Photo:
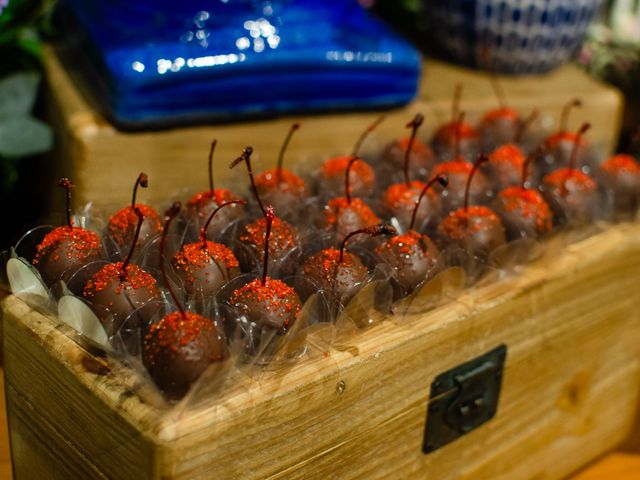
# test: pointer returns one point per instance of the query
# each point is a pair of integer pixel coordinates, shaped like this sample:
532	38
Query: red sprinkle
404	244
452	167
174	332
559	137
327	261
460	223
192	257
135	279
337	166
125	221
559	178
508	153
335	206
499	114
275	295
82	243
283	235
448	132
400	195
220	195
529	203
288	181
621	162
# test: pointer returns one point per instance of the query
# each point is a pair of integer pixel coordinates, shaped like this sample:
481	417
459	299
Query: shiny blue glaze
151	63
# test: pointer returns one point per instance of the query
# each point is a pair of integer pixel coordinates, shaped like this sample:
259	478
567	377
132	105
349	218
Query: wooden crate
105	162
571	385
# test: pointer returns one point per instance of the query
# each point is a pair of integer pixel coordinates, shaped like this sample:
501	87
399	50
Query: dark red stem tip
203	230
67	184
373	231
576	145
210	163
269	217
442	180
125	264
142	181
482	158
413	125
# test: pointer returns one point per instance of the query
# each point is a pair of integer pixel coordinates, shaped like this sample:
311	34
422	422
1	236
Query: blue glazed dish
510	36
161	63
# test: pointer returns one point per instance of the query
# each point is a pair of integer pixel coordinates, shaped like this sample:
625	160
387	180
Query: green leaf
18	93
21	136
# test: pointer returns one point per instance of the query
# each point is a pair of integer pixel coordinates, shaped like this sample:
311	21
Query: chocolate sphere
523	212
285	191
362	179
621	176
63	251
284	241
339	281
504	167
205	267
444	141
341	217
122	225
201	206
571	194
413	258
421	160
122	294
400	201
477	230
177	349
458	171
498	127
559	149
273	306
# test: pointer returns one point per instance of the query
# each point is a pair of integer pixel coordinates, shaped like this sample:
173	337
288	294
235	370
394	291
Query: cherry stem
537	153
482	158
142	181
125	264
564	118
576	145
246	158
365	134
283	149
347	178
456	137
414	125
211	150
269	216
169	215
523	125
372	231
67	184
203	230
455	106
442	180
497	90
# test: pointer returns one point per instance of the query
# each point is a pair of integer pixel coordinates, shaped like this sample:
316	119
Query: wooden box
570	322
104	162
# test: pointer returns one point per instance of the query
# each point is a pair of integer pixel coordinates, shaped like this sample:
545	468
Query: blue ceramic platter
159	63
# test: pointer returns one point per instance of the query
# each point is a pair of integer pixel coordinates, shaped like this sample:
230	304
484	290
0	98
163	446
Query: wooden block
570	321
104	162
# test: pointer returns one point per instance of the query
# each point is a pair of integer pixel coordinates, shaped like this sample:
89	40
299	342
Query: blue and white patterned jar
510	36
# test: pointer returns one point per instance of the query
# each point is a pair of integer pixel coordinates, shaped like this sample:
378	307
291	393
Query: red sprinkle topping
336	167
135	279
125	221
327	261
400	195
403	244
454	166
174	332
275	295
447	133
220	195
288	181
508	153
335	206
559	137
559	178
193	257
621	162
460	223
499	114
283	235
82	243
529	203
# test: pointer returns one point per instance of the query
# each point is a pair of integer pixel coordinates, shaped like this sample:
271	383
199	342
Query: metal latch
463	398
